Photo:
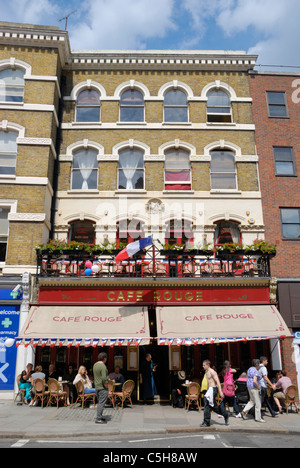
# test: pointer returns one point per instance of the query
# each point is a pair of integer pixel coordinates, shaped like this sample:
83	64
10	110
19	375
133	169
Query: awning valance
84	325
210	324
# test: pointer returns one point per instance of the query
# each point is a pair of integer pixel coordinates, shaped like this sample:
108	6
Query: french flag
133	248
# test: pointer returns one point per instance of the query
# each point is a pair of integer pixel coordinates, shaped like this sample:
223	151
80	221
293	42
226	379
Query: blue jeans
88	391
235	406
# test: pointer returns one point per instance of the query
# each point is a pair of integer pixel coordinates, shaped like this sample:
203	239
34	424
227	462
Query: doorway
160	356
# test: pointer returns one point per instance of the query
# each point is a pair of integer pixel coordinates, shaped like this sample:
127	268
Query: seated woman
83	376
25	382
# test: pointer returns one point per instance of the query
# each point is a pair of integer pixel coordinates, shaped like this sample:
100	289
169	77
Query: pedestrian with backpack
229	388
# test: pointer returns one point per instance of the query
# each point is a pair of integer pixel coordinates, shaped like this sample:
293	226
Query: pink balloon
88	264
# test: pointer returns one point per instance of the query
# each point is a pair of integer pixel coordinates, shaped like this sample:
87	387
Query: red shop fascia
154	293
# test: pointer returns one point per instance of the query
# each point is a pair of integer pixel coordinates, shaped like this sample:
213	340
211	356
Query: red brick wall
287	354
277	191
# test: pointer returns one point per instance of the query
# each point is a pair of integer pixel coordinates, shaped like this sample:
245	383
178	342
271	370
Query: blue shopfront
10	300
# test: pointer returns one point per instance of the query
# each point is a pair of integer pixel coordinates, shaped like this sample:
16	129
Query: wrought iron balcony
154	263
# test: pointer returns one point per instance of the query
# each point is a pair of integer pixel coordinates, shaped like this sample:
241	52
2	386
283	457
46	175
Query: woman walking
253	385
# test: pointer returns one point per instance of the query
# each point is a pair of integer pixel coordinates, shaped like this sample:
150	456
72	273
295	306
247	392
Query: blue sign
297	336
10	294
9	328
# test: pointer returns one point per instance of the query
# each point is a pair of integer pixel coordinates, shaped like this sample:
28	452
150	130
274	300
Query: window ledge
75	124
225	192
177	123
7	176
131	123
218	124
133	191
188	192
87	191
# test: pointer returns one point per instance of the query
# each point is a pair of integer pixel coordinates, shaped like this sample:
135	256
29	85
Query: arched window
177	170
85	169
223	170
132	106
12	85
175	106
218	106
131	169
8	152
88	106
129	231
179	231
82	231
227	232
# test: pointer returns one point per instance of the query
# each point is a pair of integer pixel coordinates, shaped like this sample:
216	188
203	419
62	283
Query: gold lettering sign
158	296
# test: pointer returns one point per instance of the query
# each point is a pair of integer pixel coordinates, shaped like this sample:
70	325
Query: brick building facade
277	119
114	146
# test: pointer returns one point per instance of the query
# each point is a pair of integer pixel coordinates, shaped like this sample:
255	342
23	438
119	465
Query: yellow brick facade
54	72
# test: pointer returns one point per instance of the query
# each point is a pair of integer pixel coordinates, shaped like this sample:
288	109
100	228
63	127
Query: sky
268	28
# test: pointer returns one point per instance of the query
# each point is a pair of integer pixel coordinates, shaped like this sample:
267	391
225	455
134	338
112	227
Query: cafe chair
40	392
126	392
83	397
291	397
56	394
193	396
111	392
21	391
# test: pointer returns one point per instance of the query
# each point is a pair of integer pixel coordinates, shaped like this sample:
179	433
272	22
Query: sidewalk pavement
36	422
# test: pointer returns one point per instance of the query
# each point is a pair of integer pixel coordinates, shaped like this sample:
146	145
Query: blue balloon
88	271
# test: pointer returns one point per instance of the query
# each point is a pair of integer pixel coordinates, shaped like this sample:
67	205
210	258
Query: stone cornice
51	36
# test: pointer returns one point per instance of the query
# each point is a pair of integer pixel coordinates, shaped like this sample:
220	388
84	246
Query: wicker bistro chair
83	397
193	396
126	392
40	392
111	392
291	397
21	391
56	394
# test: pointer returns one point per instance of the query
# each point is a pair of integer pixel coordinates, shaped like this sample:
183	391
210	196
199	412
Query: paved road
165	442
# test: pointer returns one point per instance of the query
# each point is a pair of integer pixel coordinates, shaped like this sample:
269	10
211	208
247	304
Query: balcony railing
165	264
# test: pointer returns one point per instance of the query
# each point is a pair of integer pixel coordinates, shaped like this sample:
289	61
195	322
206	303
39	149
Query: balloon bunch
90	268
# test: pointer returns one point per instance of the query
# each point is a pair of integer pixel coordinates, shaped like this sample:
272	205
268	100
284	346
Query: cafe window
131	169
218	106
132	106
179	231
12	85
177	170
88	106
223	170
85	169
227	232
129	231
82	231
175	106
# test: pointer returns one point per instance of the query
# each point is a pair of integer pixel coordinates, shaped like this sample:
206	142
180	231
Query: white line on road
20	443
211	437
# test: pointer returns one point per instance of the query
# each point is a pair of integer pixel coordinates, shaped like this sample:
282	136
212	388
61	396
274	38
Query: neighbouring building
110	147
276	114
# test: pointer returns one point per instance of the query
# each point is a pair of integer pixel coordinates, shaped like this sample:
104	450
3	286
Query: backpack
228	389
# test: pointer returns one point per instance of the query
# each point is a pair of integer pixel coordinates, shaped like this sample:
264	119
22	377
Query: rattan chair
126	392
40	392
291	397
21	391
111	392
83	397
56	394
193	396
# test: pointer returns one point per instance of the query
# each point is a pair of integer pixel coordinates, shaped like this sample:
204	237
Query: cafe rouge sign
207	295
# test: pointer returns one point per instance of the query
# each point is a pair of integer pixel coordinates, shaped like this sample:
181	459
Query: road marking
64	441
210	437
20	443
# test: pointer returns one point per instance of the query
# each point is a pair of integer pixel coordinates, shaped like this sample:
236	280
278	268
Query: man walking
210	404
101	385
263	372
